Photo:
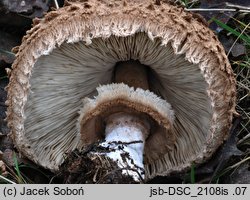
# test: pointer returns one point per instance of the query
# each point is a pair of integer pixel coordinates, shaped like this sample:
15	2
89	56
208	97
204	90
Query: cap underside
61	80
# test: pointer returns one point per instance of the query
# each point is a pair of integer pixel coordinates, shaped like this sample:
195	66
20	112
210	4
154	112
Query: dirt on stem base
92	166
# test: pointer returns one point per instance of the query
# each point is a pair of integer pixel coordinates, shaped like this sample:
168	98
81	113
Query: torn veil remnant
74	50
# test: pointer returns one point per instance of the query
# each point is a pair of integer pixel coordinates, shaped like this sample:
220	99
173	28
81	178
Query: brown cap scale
73	50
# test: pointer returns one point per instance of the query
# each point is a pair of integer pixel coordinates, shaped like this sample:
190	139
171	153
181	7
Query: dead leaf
237	171
228	41
7	42
223	16
221	158
30	8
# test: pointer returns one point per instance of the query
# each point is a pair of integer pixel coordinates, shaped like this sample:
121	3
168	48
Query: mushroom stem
132	73
125	134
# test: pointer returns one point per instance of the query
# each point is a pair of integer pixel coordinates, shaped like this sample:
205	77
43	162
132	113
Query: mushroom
92	67
124	115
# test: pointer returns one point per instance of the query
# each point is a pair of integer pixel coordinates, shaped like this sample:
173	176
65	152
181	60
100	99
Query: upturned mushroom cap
73	50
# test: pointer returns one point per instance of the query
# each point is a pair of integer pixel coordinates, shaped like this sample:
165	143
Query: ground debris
91	166
240	175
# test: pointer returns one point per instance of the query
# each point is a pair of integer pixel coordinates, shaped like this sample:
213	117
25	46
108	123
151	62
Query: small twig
56	4
7	52
125	143
230	5
9	181
245	96
216	9
244	139
52	178
223	158
244	127
239	163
